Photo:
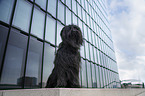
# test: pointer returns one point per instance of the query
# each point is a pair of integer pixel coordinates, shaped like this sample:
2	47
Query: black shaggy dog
67	60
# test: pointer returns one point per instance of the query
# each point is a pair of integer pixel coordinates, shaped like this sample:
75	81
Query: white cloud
127	18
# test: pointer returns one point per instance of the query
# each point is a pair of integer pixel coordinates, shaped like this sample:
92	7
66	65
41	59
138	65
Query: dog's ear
72	35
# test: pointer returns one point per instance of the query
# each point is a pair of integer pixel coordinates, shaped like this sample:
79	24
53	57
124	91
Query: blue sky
127	21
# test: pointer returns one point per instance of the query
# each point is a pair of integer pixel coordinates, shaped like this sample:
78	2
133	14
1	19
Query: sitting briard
67	60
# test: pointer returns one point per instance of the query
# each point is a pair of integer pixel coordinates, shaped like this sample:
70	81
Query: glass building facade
30	35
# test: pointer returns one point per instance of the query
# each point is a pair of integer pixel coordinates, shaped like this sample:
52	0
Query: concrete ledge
73	92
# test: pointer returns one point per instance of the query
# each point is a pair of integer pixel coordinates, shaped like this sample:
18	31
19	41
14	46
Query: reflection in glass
50	29
94	76
82	51
80	78
94	39
105	77
91	53
101	77
41	3
89	74
85	32
84	15
34	62
79	11
68	3
74	19
89	35
52	7
68	16
82	3
48	62
3	37
74	6
6	10
59	28
87	50
88	19
95	55
38	23
22	15
80	25
14	60
60	11
98	76
83	71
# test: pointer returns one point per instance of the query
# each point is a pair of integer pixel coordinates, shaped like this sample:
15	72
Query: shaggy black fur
67	59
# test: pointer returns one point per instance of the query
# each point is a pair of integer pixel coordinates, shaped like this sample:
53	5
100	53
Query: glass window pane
48	65
75	19
38	23
82	51
101	77
80	24
6	7
98	55
52	7
41	3
89	74
84	16
91	53
86	5
68	16
88	20
95	57
94	76
34	62
22	15
87	50
98	76
50	29
94	39
59	28
3	37
80	79
105	78
90	35
68	3
79	11
85	32
83	69
60	11
82	3
74	6
14	60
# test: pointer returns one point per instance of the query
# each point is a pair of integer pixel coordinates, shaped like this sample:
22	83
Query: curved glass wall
30	35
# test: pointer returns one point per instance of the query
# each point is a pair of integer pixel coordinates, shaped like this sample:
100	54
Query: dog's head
72	35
